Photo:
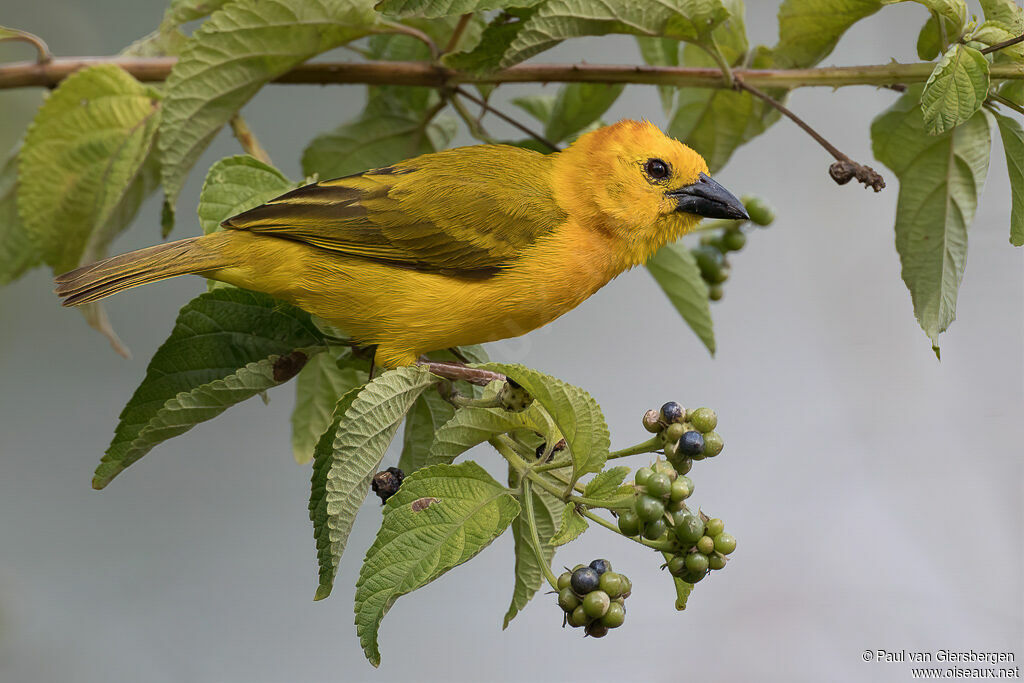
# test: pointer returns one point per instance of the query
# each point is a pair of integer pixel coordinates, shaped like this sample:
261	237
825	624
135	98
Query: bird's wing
469	212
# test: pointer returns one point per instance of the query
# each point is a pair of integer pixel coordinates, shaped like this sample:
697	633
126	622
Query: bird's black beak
709	199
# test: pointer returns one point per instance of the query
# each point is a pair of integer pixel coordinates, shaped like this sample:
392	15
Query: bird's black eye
656	169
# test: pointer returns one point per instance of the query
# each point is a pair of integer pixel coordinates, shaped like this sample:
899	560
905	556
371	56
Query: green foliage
472	426
347	456
606	485
215	336
17	252
675	270
810	29
494	43
318	388
570	526
577	106
235	184
425	418
956	89
529	575
1013	145
231	56
941	178
441	517
441	8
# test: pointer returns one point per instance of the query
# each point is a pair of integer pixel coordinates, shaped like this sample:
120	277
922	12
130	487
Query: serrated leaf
441	517
941	178
606	484
443	8
17	252
1006	11
231	56
570	526
579	105
498	35
1013	145
472	426
83	151
428	414
214	335
318	388
356	446
683	589
675	270
529	576
371	142
810	29
557	20
183	11
955	90
537	106
661	52
575	412
235	184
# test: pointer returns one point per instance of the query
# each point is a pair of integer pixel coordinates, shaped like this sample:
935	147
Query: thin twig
1005	43
845	168
43	54
455	371
457	33
476	129
1007	102
248	140
395	27
507	119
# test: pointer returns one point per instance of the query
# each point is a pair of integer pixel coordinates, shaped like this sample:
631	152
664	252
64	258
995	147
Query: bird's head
636	182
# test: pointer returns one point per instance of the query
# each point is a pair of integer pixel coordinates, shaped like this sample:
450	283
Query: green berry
682	464
675	506
691	530
716	561
712	444
579	566
673	432
595	604
725	543
721	275
659	485
642	475
733	240
596	629
665	467
672	412
703	419
578	617
612	584
563	580
655	530
601	566
615	616
716	292
706	545
759	211
652	421
709	260
696	563
567	600
584	580
677	565
627	586
682	488
648	508
629	524
693	577
715	526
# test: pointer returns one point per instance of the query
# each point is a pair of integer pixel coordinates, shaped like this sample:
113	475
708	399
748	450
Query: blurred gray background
875	492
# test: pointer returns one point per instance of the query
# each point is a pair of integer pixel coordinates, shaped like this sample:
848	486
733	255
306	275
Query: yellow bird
458	247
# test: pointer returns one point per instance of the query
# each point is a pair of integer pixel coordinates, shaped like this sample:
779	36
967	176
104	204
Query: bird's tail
101	279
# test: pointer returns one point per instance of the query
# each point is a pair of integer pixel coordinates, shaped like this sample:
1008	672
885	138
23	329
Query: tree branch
455	371
1005	43
154	69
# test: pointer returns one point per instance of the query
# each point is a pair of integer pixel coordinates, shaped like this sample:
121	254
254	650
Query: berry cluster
703	545
711	255
593	596
687	435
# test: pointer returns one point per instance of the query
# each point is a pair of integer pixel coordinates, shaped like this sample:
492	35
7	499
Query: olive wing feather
470	211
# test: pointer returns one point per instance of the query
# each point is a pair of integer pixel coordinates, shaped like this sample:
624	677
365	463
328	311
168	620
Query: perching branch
844	169
155	69
455	371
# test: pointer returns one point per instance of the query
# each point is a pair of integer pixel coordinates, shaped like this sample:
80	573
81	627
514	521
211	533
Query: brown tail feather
109	276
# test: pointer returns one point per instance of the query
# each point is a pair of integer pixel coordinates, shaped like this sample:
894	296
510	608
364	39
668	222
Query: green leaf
953	11
1013	145
956	89
236	184
472	426
661	52
83	151
994	32
675	270
557	20
529	576
347	456
1006	11
495	41
17	252
215	334
683	589
371	142
577	106
442	8
318	388
575	412
571	525
428	414
441	517
941	178
929	40
606	484
537	106
183	11
231	56
810	29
